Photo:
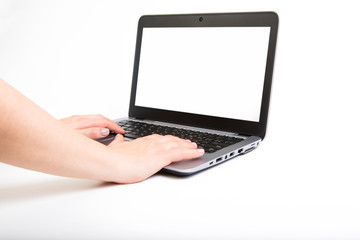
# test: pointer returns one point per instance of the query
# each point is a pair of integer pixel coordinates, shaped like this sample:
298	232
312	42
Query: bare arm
32	139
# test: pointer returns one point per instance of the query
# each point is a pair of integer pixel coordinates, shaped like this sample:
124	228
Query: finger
186	154
114	127
152	138
89	121
169	142
179	142
95	132
168	138
118	139
182	144
105	122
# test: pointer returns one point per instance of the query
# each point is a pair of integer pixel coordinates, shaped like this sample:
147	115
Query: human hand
92	126
145	156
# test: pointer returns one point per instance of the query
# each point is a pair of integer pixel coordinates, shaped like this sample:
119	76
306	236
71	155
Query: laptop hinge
242	135
137	118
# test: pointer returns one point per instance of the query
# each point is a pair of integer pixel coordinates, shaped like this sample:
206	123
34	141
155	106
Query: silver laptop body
208	73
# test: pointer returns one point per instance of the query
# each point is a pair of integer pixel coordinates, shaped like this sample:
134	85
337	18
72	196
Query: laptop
206	78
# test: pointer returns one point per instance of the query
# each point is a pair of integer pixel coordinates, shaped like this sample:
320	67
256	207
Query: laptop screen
204	70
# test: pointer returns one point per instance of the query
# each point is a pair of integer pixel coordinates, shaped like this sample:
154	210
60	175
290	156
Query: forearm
32	139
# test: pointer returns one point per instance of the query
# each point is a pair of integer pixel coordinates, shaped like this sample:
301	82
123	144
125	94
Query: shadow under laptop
169	174
32	191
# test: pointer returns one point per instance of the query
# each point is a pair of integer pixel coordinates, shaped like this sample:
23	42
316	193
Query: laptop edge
252	132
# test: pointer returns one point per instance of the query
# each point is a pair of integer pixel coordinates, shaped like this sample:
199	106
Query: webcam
201	19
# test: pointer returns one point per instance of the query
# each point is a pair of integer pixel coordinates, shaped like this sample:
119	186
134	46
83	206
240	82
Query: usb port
219	159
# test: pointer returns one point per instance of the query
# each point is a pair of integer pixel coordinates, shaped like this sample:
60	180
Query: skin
31	138
92	126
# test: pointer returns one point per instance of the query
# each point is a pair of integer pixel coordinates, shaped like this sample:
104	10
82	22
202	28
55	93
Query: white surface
302	183
211	68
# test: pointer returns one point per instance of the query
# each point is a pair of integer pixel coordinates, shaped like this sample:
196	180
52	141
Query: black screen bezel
253	19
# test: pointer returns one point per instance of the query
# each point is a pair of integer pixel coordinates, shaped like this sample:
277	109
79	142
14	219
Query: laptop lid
189	68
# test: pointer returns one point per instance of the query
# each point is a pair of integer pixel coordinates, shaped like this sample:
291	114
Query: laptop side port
240	151
219	159
249	150
232	154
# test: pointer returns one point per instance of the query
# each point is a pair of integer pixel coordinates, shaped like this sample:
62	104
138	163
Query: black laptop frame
241	127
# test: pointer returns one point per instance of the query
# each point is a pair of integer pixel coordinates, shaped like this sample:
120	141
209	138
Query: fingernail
201	150
105	131
193	143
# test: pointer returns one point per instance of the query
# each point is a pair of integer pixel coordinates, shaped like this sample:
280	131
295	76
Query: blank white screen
204	70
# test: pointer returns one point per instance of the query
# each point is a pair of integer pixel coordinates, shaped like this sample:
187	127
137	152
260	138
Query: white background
76	57
204	69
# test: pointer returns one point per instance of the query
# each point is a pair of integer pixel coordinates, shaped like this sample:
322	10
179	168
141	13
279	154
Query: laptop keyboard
208	141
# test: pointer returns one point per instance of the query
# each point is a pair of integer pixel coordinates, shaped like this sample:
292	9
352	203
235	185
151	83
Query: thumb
95	132
118	139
